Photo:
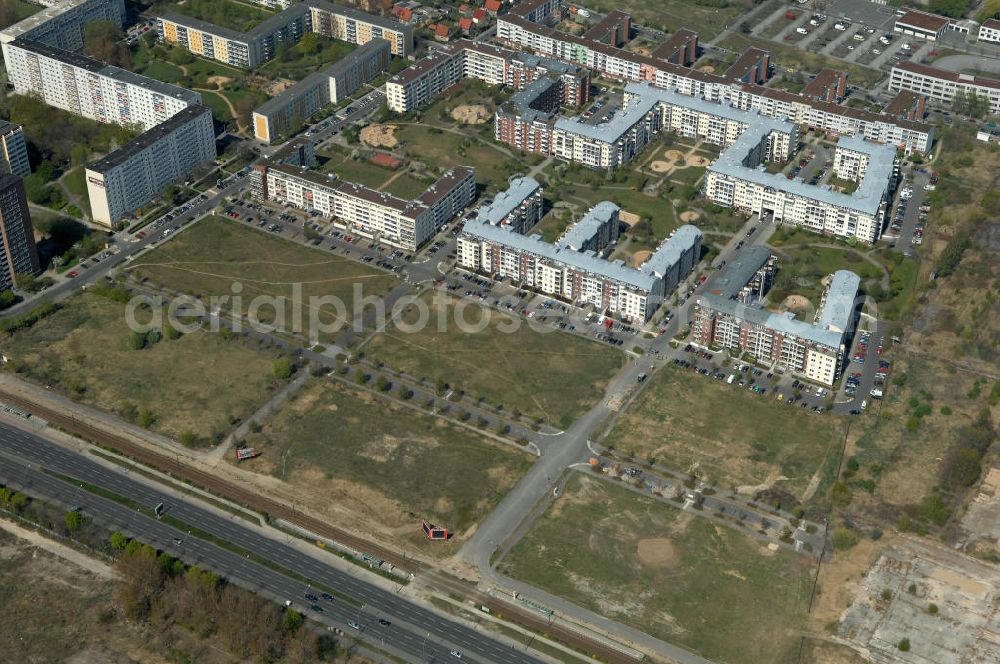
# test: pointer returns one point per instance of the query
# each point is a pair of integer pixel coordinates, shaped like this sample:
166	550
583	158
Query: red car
72	274
141	234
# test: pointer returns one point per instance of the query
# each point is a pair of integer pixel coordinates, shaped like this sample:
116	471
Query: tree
904	645
145	418
964	467
283	368
8	13
118	541
292	620
73	520
7	298
310	44
104	41
79	154
137	340
843	539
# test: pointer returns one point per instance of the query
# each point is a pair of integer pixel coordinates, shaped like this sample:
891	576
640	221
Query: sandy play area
640	257
708	69
380	136
471	114
689	216
795	303
696	160
218	80
629	218
660	166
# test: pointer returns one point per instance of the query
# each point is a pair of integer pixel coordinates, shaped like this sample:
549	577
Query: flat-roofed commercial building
287	111
89	88
18	254
813	350
13	150
943	85
572	268
360	210
921	24
132	175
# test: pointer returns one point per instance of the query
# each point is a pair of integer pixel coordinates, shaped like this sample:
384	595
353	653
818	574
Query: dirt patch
219	80
657	552
690	216
696	160
380	136
660	166
640	257
471	114
708	69
795	303
673	155
272	88
628	218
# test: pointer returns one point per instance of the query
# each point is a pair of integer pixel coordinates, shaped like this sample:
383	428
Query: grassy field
200	382
385	462
300	60
211	256
399	182
802	268
707	19
227	13
669	573
443	150
220	109
553	376
731	436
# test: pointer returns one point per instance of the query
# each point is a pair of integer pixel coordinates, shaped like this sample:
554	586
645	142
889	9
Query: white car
456	654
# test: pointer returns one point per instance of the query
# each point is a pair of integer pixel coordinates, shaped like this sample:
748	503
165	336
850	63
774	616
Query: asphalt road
420	633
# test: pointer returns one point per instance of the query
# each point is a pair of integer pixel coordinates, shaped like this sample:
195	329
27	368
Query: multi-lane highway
416	631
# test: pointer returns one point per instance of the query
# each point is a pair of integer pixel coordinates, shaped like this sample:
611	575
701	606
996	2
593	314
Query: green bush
843	538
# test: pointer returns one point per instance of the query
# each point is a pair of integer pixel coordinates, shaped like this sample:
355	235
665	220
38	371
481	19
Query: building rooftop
674	43
505	202
838	304
866	199
358	15
149	138
30	23
902	103
730	280
577	235
443	185
204	26
749	60
930	22
669	252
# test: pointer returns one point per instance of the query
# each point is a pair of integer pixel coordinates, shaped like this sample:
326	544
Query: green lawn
548	375
669	573
220	109
707	18
385	462
210	257
161	71
76	182
443	150
802	269
230	14
304	57
200	382
732	436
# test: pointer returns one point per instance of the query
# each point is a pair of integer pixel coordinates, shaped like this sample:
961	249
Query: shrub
843	538
904	645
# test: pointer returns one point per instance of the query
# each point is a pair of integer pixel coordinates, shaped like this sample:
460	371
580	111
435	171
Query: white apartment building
129	177
517	27
83	86
373	214
572	268
943	85
814	350
13	150
737	180
61	24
